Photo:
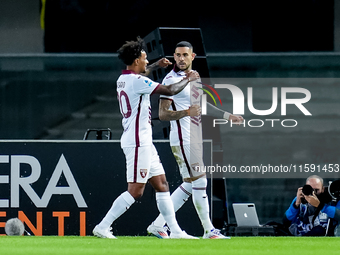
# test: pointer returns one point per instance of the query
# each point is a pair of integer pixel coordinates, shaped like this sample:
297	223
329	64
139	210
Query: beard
183	68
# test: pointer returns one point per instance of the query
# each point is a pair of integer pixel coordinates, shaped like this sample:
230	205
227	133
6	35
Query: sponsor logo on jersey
148	82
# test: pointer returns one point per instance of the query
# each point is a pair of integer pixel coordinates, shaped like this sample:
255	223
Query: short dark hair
131	50
184	44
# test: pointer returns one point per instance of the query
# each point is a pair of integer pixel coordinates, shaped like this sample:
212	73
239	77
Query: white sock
166	208
201	202
178	197
119	206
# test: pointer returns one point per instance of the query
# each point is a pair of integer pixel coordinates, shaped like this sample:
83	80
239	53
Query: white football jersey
187	130
133	92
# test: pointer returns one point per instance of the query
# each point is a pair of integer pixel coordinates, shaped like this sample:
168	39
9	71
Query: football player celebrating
142	160
184	113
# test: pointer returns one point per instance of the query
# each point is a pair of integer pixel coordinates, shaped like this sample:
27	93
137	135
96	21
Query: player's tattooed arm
166	114
162	63
175	88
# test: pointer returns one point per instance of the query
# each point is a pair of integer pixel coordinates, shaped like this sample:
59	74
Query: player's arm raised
162	63
175	88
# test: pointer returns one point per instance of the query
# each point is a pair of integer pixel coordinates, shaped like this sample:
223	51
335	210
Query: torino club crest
143	172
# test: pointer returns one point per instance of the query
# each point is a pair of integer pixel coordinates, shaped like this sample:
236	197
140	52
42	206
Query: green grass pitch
74	245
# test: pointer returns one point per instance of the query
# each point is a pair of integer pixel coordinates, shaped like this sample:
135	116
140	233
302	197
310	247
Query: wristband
188	112
226	115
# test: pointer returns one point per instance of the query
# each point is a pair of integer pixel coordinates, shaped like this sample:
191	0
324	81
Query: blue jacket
302	218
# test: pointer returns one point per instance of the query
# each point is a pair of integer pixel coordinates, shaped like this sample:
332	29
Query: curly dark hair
131	50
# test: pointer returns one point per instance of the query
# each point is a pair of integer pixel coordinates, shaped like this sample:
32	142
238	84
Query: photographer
311	209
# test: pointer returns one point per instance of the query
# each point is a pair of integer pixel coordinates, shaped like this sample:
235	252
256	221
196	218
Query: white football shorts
142	163
189	159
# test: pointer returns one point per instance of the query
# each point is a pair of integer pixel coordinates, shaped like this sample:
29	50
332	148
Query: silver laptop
245	214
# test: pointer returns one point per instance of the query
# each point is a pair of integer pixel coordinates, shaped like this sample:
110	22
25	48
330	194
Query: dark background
229	26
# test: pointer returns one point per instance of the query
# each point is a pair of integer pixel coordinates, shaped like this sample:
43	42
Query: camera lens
334	189
307	190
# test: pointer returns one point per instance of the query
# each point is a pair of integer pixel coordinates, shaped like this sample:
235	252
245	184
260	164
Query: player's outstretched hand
236	119
192	75
164	62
